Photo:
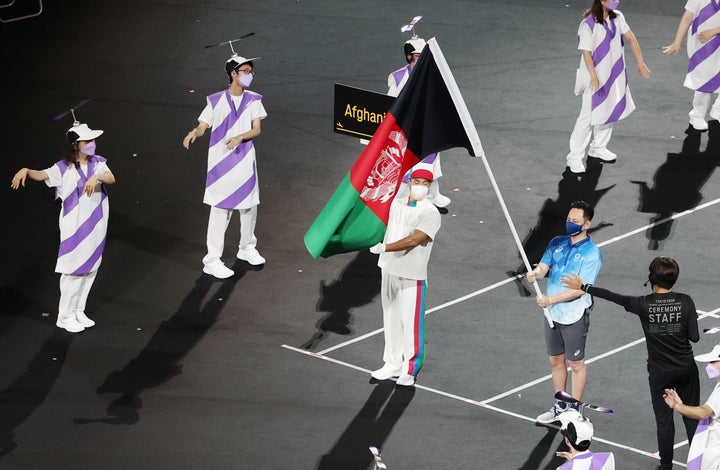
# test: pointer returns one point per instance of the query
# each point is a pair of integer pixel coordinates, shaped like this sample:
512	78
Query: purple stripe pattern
87	266
712	86
704	52
85	229
399	74
696	462
705	14
220	132
232	201
228	163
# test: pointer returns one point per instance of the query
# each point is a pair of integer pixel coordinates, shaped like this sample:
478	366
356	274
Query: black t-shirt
669	322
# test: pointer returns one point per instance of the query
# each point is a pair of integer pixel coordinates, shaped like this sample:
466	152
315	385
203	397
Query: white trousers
580	137
403	302
217	226
74	292
701	106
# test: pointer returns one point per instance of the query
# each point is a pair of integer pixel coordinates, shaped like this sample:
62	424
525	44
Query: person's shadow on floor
370	427
358	285
541	450
161	359
678	182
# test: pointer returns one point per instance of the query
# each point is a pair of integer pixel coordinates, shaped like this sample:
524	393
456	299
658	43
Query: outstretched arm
575	282
643	69
35	175
682	30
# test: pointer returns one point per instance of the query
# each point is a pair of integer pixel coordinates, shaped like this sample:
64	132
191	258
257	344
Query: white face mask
418	191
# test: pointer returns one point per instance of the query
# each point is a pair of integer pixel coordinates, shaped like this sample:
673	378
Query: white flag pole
479	152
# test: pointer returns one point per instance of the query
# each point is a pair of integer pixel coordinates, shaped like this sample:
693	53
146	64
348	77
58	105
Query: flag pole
474	138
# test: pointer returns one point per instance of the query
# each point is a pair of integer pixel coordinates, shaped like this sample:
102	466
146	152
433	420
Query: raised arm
35	175
695	412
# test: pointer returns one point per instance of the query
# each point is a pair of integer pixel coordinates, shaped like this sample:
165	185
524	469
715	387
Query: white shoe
83	319
406	380
386	372
218	269
701	124
71	325
250	255
440	201
577	167
605	155
552	415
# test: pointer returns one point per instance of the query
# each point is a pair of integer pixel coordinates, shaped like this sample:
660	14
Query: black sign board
358	112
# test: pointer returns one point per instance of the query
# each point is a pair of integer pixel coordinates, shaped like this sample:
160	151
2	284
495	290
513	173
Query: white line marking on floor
512	279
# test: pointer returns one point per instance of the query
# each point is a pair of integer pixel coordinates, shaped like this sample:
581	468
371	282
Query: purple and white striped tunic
232	181
590	461
704	453
704	65
612	101
83	219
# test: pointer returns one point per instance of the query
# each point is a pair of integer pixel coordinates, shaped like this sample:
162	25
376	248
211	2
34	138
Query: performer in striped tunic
578	433
701	21
602	80
79	181
704	453
232	182
396	81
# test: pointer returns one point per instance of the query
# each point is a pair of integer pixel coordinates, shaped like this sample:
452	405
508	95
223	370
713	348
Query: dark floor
270	369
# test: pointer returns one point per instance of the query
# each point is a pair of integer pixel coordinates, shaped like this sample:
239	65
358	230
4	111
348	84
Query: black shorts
568	339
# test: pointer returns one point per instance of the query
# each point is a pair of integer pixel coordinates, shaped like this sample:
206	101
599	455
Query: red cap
422	173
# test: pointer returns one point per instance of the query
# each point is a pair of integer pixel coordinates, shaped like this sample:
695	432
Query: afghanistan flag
427	117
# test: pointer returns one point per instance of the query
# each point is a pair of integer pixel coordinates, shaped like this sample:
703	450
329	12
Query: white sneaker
83	319
552	415
701	124
604	155
577	167
386	372
440	201
218	269
406	380
71	325
250	255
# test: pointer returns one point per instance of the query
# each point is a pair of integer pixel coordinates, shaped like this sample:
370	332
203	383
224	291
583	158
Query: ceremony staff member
404	255
396	81
703	47
704	450
232	182
578	433
669	323
602	80
79	181
569	308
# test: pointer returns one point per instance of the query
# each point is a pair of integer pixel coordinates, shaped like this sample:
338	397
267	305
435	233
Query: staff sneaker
71	325
552	415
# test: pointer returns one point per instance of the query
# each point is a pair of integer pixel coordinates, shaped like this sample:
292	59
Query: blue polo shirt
563	257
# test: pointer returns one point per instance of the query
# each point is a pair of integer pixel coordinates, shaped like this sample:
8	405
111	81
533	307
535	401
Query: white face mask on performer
418	191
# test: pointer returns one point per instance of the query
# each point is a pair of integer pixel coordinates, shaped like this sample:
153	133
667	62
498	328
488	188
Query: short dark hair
587	208
231	66
571	434
664	271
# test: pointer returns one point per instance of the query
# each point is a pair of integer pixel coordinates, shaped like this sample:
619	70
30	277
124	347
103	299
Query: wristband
585	287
